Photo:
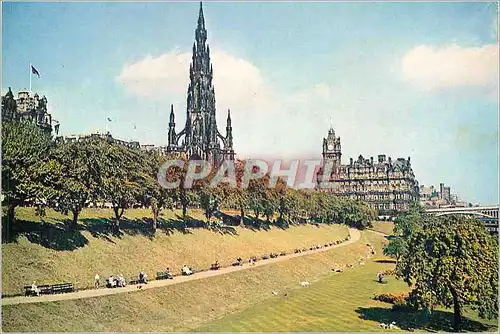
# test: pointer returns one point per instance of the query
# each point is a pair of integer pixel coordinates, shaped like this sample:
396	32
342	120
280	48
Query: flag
109	119
35	71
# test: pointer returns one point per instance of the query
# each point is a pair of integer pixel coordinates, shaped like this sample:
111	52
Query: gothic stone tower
200	138
332	150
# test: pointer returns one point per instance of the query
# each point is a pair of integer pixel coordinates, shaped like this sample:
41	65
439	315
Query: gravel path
354	233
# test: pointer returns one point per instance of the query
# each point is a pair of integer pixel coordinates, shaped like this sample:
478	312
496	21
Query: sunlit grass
25	261
183	306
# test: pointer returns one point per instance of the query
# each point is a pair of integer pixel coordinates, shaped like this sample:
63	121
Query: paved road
354	233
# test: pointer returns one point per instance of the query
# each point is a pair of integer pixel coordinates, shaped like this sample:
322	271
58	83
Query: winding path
354	234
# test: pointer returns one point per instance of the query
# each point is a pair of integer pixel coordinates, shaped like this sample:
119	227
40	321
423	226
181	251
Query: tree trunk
155	218
242	215
8	222
118	214
184	209
74	222
457	316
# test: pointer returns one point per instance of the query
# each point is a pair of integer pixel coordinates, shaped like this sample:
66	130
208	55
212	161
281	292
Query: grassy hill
242	301
186	305
49	253
384	227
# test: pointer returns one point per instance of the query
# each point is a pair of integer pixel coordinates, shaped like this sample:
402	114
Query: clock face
330	147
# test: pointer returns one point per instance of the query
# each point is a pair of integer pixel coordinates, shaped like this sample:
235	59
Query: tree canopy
451	261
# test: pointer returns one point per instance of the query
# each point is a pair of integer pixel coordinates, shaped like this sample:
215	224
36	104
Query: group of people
111	281
115	281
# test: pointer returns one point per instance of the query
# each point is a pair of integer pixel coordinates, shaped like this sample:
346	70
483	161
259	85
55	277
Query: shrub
396	299
389	272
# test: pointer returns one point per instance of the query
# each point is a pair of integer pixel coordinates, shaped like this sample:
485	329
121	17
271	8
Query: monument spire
201	19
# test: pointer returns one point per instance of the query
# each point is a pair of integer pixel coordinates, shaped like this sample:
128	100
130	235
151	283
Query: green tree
122	176
395	248
27	172
153	195
452	261
72	187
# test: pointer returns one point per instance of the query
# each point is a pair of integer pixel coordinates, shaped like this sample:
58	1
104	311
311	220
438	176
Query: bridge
487	214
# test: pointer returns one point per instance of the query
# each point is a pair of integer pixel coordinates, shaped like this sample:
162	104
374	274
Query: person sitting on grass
34	289
186	270
380	278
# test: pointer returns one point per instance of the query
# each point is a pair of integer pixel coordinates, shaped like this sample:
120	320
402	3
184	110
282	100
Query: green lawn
49	253
339	303
384	227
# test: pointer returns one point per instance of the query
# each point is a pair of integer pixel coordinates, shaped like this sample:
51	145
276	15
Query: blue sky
403	79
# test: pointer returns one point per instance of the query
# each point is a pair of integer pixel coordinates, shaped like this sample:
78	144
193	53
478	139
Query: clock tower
332	151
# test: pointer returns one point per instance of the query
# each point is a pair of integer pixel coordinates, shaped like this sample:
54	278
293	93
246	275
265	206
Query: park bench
265	257
44	289
326	245
283	253
62	288
297	251
273	255
163	275
214	266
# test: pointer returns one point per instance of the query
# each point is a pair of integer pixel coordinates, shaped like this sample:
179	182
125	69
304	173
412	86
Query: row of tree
449	261
68	175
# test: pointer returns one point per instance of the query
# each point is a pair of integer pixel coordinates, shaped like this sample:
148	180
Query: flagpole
30	79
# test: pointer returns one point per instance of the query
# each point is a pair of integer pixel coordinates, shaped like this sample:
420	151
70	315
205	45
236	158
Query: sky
404	79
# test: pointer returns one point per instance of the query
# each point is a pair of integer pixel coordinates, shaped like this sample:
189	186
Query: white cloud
452	66
238	82
155	77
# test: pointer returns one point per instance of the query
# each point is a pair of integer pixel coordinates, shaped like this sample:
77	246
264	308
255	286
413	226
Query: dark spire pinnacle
172	113
9	93
201	19
228	118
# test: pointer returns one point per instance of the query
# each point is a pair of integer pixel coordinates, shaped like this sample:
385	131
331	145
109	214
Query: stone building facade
388	186
200	138
28	108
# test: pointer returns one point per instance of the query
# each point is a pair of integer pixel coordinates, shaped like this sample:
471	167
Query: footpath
354	237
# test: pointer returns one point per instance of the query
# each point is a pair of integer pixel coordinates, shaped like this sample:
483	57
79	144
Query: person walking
96	281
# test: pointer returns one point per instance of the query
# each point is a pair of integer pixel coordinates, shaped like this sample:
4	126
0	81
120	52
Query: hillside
186	305
48	253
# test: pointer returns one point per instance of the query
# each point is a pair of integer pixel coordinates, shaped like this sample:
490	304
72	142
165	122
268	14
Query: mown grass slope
49	253
341	303
183	306
384	227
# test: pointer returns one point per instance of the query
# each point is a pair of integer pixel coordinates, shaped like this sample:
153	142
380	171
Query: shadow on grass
55	236
413	320
386	261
